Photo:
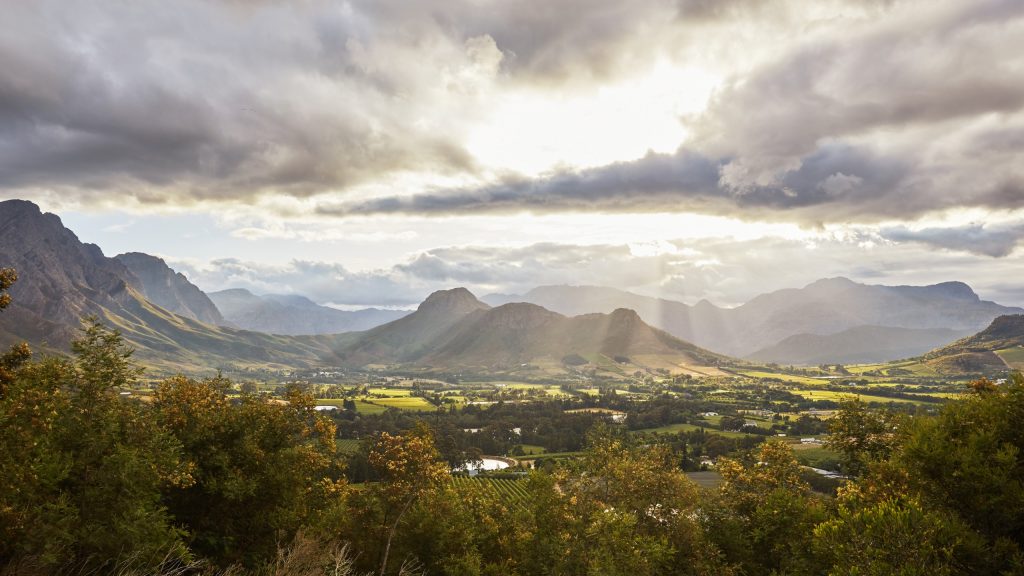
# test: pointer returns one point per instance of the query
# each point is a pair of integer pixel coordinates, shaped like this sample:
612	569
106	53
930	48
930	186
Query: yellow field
838	396
784	377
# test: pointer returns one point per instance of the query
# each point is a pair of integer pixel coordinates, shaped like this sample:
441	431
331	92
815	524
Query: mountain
454	330
859	345
61	280
995	349
292	314
822	308
409	337
169	289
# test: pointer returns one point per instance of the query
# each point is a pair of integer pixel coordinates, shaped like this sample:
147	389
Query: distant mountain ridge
822	308
858	345
291	314
452	329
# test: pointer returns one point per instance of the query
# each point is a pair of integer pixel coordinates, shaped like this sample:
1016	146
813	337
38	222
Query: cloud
724	271
997	241
852	110
683	181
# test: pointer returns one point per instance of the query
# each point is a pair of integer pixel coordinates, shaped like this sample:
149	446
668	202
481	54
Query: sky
368	152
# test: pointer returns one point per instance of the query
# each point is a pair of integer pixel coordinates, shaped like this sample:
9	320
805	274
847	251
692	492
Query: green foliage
861	435
970	460
8	276
83	468
896	536
765	513
257	470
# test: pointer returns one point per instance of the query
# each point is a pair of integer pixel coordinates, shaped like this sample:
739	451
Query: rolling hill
995	349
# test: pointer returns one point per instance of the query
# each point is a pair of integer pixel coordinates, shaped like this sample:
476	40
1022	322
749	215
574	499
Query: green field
348	445
508	490
675	428
405	403
839	396
1013	356
389	392
780	376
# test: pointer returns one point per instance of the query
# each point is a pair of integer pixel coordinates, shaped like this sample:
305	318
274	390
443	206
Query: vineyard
510	490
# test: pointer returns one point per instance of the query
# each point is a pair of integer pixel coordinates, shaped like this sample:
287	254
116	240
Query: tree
970	461
8	276
258	470
861	435
86	467
19	354
764	514
409	466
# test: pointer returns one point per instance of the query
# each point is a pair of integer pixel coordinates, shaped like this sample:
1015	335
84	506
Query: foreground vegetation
199	478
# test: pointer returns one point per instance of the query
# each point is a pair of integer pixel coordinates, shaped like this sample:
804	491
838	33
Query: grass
532	449
550	455
405	403
706	478
509	490
1012	356
838	396
364	407
348	445
676	428
390	392
780	376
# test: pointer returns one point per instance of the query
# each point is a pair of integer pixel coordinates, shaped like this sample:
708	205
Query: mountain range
839	319
451	329
293	314
61	280
550	330
171	323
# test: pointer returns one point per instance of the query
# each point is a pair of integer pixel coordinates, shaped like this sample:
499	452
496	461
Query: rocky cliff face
169	289
60	279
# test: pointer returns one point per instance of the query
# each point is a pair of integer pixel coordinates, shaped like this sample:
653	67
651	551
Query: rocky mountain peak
454	301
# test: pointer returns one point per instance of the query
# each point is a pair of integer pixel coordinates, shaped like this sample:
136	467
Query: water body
483	464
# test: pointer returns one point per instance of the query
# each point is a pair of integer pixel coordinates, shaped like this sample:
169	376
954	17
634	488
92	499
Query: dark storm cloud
682	181
878	109
199	99
997	241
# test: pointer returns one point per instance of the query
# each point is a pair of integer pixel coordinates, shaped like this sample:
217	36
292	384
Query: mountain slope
169	289
408	338
859	345
452	330
61	280
995	349
824	307
294	315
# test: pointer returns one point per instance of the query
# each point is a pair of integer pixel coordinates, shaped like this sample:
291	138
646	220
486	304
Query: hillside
859	345
453	330
825	307
410	337
995	349
61	280
169	289
294	315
